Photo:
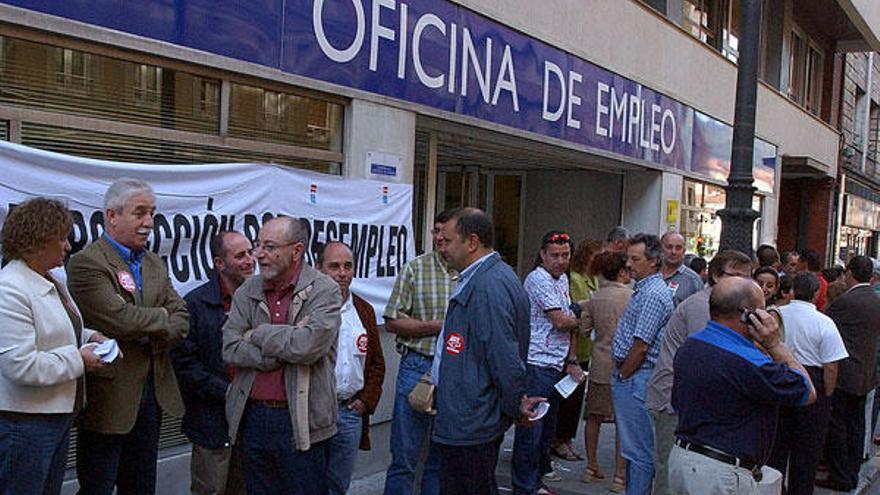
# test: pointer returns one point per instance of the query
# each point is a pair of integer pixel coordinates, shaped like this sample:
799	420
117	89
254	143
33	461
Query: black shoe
833	485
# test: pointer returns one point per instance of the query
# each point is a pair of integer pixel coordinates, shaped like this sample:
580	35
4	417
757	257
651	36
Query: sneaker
552	477
543	490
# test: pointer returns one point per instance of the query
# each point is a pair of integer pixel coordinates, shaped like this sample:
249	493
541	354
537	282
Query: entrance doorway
498	193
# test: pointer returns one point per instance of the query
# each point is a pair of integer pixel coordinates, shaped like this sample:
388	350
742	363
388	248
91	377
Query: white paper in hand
541	409
108	351
566	386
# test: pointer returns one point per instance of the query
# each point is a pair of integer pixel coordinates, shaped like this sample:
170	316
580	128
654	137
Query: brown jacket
601	313
374	367
141	326
305	348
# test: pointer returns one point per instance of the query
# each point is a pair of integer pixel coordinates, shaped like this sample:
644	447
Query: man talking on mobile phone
727	393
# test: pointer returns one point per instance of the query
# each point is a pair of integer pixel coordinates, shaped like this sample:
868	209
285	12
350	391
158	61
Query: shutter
4	130
170	435
105	146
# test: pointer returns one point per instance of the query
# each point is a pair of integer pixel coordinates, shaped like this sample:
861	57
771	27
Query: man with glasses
281	338
415	313
551	354
688	318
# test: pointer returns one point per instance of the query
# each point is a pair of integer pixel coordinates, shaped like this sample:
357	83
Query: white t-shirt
351	352
548	346
812	337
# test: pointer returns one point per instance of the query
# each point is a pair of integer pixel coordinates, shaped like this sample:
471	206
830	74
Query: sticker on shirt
454	344
361	343
673	287
126	281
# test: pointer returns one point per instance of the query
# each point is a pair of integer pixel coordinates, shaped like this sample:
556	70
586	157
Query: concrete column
370	127
642	197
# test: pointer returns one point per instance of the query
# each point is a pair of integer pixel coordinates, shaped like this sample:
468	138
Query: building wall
653	58
584	203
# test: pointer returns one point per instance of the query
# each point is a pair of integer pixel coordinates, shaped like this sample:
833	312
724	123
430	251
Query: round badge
362	342
454	344
126	281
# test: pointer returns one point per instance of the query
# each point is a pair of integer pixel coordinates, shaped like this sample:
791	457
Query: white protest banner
196	201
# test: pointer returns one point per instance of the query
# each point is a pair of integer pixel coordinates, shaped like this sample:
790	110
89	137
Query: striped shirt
644	318
421	291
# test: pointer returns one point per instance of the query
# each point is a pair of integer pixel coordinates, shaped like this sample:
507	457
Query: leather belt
403	350
271	404
718	455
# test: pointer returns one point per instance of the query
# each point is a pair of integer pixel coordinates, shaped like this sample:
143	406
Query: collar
294	278
129	256
541	267
718	327
798	302
348	304
641	283
468	272
442	263
860	284
253	287
676	272
610	283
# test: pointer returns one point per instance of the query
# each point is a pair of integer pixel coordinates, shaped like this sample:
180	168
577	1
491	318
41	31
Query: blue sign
379	169
441	55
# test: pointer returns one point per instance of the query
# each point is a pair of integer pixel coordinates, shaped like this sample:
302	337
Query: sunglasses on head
559	238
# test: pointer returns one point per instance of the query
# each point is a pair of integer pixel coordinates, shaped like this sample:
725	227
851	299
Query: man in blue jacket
203	378
479	363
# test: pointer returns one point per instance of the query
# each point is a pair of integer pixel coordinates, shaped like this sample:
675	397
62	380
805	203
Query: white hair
122	190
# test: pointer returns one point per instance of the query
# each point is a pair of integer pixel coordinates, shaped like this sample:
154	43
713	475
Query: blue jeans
342	451
409	434
127	461
531	445
636	429
270	462
33	448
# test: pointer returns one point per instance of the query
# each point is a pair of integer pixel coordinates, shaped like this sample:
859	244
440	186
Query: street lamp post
738	217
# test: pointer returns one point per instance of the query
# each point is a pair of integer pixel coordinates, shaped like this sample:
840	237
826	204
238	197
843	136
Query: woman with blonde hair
42	357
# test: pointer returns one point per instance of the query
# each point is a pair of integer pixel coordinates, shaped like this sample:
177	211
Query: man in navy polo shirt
727	394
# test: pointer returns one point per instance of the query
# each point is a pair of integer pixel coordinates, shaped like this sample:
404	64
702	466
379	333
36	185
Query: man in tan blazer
123	290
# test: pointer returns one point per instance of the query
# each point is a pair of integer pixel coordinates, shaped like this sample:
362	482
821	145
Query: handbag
421	398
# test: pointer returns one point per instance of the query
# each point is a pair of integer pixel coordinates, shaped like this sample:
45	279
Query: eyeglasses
270	248
559	238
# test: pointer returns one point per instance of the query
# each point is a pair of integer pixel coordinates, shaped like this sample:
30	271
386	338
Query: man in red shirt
281	338
809	261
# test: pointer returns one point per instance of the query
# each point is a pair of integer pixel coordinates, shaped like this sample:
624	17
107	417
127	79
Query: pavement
372	483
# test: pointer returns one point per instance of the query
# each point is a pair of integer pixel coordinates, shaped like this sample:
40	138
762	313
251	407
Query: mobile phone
745	317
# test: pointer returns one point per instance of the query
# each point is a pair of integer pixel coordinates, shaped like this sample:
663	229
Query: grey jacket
307	352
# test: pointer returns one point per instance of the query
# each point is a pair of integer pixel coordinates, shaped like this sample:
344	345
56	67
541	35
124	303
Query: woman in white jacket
42	358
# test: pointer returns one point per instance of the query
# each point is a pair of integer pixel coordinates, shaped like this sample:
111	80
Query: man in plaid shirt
635	349
415	313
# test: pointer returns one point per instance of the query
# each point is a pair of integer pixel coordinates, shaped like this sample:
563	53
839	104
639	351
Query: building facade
546	114
858	192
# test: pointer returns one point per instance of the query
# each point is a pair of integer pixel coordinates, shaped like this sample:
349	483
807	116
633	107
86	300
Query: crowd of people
719	376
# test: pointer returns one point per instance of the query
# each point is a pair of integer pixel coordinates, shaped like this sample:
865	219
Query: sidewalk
372	484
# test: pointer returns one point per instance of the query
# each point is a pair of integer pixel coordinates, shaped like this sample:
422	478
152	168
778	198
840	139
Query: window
268	115
714	22
805	70
209	97
147	84
72	69
730	34
700	19
42	76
